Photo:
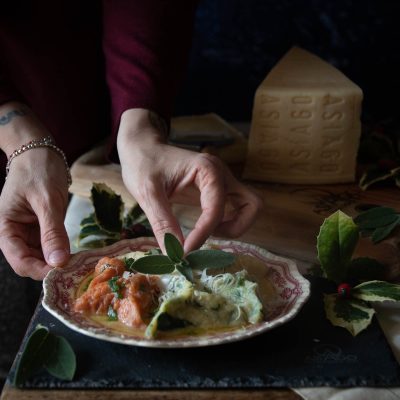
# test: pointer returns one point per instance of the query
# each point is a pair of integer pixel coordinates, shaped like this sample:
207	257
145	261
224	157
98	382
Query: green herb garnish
115	287
112	314
337	239
43	349
198	259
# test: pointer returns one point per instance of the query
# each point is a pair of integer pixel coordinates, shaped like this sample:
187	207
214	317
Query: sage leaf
154	265
377	291
365	268
33	356
383	232
351	314
185	271
336	241
173	247
202	259
45	350
61	361
108	207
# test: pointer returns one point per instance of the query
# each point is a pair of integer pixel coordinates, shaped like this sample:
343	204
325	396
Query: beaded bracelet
33	144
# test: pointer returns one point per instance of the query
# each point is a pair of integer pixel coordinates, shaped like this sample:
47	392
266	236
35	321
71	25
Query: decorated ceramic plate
282	291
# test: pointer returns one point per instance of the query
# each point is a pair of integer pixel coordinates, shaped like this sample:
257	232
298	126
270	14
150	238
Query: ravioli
225	300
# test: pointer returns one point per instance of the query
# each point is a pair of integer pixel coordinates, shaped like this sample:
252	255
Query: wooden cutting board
291	217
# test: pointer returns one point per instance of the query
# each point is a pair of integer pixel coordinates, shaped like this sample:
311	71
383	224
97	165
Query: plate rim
195	341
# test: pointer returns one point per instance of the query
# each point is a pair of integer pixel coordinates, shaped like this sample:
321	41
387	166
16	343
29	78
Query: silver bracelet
34	144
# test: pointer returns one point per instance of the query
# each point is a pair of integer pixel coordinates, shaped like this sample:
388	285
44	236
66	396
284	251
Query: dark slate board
307	351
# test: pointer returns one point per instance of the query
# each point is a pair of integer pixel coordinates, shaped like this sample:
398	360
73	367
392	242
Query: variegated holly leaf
352	314
108	207
336	241
97	243
377	291
135	216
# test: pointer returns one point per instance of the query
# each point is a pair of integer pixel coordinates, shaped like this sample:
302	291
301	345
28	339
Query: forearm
18	126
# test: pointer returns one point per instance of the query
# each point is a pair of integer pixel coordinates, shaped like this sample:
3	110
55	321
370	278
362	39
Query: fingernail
58	257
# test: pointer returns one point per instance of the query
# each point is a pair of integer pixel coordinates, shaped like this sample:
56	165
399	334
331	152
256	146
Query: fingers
53	236
24	260
246	207
154	202
210	182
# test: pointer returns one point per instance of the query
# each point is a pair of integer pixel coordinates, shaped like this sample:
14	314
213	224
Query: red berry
344	290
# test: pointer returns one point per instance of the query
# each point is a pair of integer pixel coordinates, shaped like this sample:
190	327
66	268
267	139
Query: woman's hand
156	173
33	204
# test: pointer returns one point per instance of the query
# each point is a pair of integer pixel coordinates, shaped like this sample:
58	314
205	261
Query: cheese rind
306	123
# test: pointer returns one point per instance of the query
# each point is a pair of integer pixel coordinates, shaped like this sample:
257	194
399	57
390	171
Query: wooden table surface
10	393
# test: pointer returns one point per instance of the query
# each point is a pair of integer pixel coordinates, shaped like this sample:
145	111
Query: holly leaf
91	219
377	222
135	216
108	207
97	243
365	268
336	241
377	291
351	314
383	232
94	229
376	217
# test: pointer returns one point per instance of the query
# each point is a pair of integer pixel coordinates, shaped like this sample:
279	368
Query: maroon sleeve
146	46
7	90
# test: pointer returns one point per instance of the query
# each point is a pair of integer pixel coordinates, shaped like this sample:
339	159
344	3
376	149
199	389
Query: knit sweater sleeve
146	46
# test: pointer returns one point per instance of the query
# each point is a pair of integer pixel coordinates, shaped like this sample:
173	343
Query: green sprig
175	260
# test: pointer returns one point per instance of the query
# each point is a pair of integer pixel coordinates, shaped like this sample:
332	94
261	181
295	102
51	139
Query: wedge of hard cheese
306	123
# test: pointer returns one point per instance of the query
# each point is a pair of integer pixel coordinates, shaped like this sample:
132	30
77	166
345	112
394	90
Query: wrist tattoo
5	119
158	123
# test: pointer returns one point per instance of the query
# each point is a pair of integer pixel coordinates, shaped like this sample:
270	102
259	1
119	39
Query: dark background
237	42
